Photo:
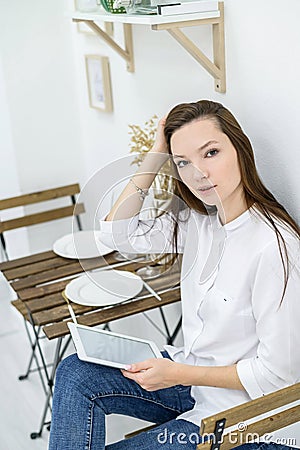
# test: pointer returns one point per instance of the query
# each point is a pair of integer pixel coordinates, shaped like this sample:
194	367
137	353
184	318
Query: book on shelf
187	7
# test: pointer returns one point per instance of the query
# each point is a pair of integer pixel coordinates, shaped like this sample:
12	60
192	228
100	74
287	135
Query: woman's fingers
160	144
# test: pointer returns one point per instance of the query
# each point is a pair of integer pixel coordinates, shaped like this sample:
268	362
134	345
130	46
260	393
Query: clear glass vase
156	266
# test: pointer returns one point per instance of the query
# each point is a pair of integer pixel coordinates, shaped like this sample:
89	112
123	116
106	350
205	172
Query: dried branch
141	141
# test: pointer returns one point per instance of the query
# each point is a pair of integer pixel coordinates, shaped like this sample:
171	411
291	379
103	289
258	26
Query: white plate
104	288
83	244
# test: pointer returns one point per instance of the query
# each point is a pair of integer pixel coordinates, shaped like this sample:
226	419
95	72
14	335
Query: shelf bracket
216	68
127	53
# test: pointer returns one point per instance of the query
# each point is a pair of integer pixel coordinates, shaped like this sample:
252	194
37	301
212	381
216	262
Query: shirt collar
236	223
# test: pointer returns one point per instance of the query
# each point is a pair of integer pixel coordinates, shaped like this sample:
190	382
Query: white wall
9	180
38	72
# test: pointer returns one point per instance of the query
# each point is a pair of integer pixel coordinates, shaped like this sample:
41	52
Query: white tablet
111	349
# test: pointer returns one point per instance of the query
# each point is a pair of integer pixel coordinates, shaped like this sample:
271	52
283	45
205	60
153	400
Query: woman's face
207	163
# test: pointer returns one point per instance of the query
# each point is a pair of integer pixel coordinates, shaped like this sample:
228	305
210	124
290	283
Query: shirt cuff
124	226
247	378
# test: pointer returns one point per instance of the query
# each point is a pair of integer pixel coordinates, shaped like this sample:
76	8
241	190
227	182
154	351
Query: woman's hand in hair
160	144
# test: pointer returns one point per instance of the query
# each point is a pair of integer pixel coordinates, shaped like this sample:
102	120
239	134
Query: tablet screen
114	348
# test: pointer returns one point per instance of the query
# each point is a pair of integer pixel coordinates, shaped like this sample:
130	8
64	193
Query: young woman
240	293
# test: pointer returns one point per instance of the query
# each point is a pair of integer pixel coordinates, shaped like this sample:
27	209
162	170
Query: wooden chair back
212	427
40	217
237	417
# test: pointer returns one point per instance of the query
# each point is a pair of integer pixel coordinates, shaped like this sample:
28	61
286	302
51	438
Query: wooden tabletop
40	279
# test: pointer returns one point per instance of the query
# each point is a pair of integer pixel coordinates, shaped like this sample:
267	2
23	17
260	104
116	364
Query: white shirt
231	287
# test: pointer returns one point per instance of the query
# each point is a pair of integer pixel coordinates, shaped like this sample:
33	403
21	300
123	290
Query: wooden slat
20	306
141	430
41	196
48	275
253	408
41	291
64	271
268	425
117	312
46	303
46	216
33	269
61	312
25	260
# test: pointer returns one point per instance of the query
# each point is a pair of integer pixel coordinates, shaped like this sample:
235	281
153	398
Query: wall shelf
172	25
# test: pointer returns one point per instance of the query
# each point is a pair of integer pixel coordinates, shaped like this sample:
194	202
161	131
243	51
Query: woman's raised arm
130	201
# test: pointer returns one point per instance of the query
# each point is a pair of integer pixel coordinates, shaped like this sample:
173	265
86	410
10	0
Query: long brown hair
254	190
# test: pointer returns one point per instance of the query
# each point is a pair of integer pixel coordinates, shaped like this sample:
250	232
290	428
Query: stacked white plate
80	245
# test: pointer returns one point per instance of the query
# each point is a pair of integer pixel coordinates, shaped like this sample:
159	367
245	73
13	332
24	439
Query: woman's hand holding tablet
110	349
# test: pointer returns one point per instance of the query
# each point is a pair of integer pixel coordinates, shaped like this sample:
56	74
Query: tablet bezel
84	357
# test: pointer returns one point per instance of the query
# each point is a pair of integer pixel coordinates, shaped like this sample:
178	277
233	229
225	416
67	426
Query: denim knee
85	376
68	370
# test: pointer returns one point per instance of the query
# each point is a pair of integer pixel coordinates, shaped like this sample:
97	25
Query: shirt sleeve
144	236
277	362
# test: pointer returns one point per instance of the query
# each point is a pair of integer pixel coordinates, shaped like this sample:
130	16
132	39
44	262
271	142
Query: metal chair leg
169	337
33	357
3	245
59	354
165	323
37	343
79	225
175	332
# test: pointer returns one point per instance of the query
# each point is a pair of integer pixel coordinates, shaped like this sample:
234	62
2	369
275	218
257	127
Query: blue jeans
85	393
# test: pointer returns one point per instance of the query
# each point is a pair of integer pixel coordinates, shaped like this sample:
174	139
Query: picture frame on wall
99	82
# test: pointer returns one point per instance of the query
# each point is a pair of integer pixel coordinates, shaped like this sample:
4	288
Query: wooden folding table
39	281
